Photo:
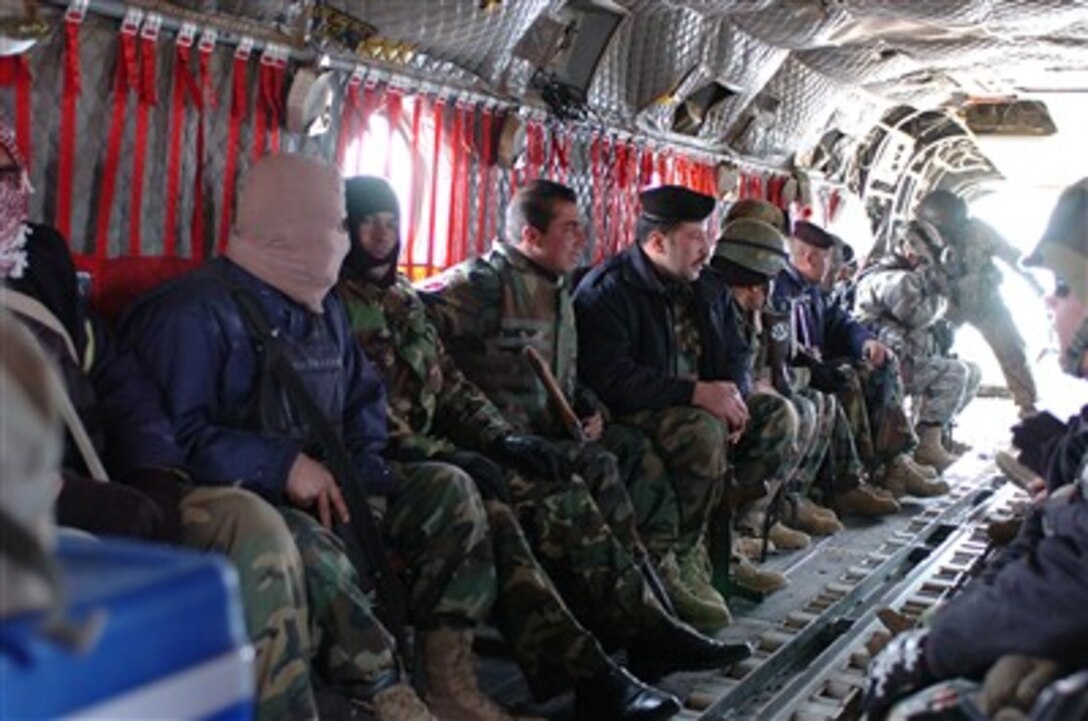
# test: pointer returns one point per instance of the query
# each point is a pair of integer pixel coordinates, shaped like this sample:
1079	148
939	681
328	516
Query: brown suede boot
787	538
902	478
814	519
748	575
930	452
863	501
399	703
452	693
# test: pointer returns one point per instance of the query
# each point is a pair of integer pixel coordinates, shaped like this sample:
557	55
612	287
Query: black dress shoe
675	646
616	695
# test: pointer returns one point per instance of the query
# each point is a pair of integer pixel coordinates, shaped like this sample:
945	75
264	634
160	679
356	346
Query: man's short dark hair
534	206
646	225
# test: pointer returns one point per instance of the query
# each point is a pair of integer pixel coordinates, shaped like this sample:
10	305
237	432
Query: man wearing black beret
655	346
844	358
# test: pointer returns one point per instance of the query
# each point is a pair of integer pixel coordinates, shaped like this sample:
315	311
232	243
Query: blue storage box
173	644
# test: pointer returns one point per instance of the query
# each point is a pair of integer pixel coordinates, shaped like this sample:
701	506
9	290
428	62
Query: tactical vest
535	310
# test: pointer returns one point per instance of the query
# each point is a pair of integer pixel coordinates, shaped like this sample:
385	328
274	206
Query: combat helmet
752	245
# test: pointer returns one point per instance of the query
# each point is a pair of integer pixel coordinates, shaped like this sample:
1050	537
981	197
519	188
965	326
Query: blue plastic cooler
173	644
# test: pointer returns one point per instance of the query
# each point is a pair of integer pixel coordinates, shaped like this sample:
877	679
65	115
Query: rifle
362	539
574	427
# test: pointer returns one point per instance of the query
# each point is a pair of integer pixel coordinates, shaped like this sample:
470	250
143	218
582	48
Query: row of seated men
576	532
1013	644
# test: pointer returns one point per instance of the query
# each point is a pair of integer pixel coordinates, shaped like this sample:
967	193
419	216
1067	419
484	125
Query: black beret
675	204
812	234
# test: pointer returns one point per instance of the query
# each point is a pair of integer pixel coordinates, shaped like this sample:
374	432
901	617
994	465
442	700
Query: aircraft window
388	153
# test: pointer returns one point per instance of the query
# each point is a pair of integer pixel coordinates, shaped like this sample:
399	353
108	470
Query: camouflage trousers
830	462
942	387
681	461
767	452
595	572
873	404
552	648
993	321
301	598
437	526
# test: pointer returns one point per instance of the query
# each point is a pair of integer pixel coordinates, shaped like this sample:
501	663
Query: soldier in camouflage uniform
435	412
238	426
969	247
900	299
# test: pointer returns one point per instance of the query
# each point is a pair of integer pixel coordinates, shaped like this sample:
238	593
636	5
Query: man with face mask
900	299
654	346
1030	601
239	426
974	286
436	413
133	440
842	357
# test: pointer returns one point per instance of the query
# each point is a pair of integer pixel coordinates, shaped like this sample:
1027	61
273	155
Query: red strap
204	98
417	122
348	119
238	102
371	101
125	77
182	80
646	167
596	192
455	239
483	181
438	112
393	110
66	156
277	78
534	150
467	153
264	105
148	98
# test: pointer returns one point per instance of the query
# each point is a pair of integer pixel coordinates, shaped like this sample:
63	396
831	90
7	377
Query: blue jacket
625	352
829	327
193	340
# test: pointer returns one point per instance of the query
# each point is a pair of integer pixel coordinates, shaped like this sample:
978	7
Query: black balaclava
366	195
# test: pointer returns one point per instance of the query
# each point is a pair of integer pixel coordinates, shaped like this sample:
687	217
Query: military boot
863	501
702	614
695	574
925	471
930	452
814	519
901	478
452	693
748	575
752	546
399	703
787	538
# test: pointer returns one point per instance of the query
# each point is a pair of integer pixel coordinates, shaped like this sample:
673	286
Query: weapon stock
574	428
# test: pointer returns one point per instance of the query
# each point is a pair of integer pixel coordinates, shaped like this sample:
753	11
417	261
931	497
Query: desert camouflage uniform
976	299
900	305
435	410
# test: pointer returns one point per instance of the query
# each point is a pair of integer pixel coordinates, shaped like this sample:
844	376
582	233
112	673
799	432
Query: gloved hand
897	671
1034	436
489	476
534	456
828	377
166	488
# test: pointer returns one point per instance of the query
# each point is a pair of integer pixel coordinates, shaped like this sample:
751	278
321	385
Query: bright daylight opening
388	153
